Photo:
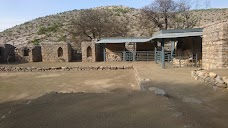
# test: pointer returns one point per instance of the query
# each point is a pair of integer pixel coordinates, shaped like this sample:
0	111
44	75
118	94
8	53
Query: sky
15	12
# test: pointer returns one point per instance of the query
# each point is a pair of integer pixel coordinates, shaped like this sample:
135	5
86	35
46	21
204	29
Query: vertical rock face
56	52
215	46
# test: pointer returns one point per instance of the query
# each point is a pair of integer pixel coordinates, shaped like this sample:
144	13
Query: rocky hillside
56	27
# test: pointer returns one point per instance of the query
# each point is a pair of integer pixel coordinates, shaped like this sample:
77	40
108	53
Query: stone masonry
56	52
28	54
91	52
7	52
215	46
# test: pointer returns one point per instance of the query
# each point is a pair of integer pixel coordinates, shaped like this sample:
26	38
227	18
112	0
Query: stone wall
215	46
7	51
91	52
88	47
28	54
113	52
56	52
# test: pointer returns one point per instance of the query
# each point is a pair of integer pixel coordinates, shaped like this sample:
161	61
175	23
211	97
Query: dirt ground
30	85
102	99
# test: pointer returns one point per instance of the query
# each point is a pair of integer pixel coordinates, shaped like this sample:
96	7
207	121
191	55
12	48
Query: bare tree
184	18
159	12
97	23
170	14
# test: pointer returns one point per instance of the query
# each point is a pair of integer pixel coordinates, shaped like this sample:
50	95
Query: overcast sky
15	12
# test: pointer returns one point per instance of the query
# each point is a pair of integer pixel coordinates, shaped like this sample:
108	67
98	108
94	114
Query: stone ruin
7	53
56	52
28	53
215	46
91	52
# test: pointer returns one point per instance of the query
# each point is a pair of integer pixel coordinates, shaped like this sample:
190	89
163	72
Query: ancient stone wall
36	54
28	54
113	52
88	51
91	52
56	52
215	46
7	52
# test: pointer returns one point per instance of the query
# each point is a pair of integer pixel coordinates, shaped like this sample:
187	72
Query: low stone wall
211	78
35	69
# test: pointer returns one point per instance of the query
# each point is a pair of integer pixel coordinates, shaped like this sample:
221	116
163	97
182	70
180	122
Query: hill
57	27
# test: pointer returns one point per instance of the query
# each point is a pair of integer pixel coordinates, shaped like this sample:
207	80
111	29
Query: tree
97	23
184	17
169	14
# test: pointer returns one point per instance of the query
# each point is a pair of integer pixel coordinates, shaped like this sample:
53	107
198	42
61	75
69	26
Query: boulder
158	91
225	79
212	74
219	80
209	79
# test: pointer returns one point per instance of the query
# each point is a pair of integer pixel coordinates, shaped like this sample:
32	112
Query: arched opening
26	52
89	52
60	52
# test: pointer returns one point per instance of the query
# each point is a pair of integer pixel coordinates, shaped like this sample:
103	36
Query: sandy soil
110	100
30	85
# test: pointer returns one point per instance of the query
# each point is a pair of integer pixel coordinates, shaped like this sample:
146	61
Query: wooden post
163	53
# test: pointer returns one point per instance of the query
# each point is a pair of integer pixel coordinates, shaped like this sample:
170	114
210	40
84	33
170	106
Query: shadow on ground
97	110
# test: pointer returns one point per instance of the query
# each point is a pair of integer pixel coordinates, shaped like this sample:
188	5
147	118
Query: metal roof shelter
124	40
162	34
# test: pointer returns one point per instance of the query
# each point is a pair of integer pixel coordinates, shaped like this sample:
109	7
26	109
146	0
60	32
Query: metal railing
180	60
134	55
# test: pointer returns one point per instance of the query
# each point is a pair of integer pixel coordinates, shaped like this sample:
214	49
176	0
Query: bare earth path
109	99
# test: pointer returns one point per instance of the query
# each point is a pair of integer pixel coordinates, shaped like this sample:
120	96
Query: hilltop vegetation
60	27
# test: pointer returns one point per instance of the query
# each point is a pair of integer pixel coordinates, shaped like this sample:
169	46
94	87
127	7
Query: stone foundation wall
50	52
7	51
78	68
211	78
215	46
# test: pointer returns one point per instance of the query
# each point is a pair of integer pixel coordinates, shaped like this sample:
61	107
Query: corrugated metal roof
172	33
124	40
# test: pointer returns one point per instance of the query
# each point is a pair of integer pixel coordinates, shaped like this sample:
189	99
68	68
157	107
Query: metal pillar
163	53
104	52
172	49
155	55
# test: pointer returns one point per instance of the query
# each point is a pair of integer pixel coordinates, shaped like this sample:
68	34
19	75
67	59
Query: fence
133	55
178	60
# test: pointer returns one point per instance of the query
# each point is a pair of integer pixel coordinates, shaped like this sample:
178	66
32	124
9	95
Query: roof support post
163	53
155	55
172	49
104	52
